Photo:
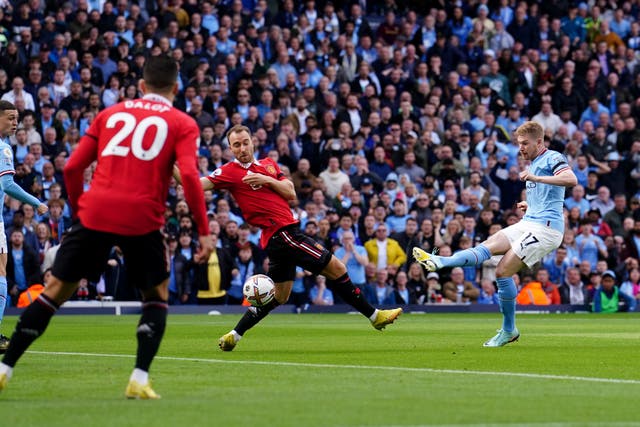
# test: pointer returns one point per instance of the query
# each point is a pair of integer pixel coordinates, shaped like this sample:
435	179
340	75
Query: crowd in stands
392	118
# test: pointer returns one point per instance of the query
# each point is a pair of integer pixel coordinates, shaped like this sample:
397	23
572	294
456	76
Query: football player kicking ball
262	191
525	243
135	144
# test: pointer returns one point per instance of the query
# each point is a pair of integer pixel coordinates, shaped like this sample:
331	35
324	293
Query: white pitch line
378	368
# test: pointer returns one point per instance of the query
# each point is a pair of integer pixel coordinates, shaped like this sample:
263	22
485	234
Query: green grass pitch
567	370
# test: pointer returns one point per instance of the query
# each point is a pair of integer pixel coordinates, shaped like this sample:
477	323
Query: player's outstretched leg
433	262
31	325
251	317
507	293
149	333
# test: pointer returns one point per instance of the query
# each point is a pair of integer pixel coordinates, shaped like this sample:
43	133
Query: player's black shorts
84	254
289	247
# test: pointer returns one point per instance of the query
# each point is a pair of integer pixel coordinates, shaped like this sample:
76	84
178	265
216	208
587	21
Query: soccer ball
259	290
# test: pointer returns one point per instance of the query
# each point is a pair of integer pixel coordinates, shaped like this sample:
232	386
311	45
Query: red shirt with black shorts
136	144
262	207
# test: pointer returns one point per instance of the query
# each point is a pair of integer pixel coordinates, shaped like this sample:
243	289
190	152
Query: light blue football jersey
546	201
6	165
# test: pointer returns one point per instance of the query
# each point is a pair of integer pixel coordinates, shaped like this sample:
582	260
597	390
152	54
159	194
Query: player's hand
256	179
42	209
206	247
526	176
523	206
176	174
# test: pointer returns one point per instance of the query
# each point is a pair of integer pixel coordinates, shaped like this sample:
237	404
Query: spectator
547	118
615	217
551	289
600	228
488	293
403	294
532	293
333	177
17	92
380	291
608	298
219	281
573	291
590	246
44	240
397	220
319	294
458	290
384	251
577	200
55	219
408	238
631	286
354	257
631	245
22	265
180	278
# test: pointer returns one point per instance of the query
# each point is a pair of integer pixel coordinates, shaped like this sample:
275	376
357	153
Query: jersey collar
246	165
157	98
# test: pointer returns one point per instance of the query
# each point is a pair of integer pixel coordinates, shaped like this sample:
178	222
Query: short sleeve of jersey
6	160
279	174
557	163
221	177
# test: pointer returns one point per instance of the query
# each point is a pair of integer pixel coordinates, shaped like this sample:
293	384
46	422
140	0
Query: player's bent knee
334	269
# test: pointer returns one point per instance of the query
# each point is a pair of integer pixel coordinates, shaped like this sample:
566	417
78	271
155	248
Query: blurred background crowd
392	118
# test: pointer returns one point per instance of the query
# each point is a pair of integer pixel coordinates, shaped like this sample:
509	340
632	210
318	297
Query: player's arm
564	178
204	181
186	157
14	190
81	158
284	187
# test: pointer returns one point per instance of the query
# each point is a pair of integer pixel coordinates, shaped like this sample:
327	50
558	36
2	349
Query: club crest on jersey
8	153
271	169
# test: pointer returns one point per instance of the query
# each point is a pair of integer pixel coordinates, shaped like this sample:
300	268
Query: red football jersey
261	206
136	144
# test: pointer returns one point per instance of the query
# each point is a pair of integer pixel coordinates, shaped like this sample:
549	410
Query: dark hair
6	106
160	72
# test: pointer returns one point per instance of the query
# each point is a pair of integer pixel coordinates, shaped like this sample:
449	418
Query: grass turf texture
334	370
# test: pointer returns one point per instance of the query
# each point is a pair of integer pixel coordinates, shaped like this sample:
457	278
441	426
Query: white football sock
140	376
374	315
6	369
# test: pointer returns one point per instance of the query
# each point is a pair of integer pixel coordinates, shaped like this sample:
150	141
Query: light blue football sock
507	293
3	296
472	256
